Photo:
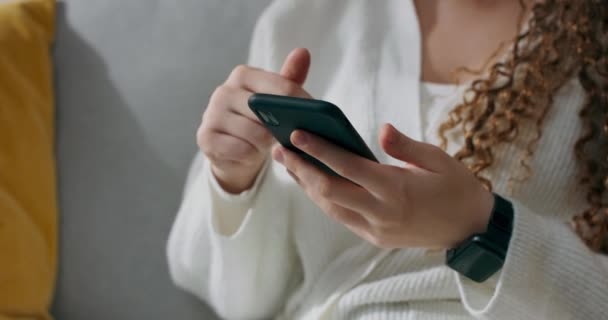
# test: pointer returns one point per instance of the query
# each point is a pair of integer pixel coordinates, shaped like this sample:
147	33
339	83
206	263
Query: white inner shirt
436	101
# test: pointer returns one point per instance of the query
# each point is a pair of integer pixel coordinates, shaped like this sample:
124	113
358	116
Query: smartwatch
482	255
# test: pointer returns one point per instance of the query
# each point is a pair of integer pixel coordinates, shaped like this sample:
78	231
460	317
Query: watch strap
482	255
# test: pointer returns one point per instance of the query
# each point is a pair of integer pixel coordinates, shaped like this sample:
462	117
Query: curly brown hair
563	38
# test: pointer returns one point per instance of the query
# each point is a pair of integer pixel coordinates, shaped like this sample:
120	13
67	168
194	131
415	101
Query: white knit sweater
270	251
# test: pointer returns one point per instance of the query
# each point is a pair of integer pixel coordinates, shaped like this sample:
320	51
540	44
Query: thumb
401	147
296	65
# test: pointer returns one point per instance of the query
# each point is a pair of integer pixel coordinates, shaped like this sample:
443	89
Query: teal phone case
282	115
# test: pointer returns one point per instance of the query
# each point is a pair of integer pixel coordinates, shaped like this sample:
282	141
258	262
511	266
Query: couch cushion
132	79
28	202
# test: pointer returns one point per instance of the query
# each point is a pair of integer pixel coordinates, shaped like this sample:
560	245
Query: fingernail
299	139
278	156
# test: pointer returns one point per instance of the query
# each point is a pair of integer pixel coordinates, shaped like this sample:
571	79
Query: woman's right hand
230	135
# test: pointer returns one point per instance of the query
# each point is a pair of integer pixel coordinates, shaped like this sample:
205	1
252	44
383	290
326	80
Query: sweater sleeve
236	251
548	273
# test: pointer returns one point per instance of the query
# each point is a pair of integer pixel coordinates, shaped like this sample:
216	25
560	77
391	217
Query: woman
499	85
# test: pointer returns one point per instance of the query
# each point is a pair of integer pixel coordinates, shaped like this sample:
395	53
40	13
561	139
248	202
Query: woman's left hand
433	201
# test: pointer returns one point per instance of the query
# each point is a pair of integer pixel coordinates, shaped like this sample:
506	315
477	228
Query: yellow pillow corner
28	204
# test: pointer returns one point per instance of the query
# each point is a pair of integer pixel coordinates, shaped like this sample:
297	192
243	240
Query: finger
222	146
260	81
362	171
349	218
293	176
233	99
324	187
296	66
401	147
241	127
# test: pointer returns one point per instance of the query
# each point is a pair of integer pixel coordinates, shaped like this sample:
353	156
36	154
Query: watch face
475	260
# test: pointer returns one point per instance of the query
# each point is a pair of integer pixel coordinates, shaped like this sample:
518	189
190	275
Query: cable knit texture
271	252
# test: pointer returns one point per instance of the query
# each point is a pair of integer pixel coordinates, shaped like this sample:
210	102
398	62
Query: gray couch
132	78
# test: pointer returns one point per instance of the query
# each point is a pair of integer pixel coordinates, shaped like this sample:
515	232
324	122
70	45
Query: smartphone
282	115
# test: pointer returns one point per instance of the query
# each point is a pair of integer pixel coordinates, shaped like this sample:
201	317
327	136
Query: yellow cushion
28	208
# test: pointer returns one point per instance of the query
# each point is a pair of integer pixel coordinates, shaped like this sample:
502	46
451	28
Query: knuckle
207	117
239	72
219	96
204	139
367	237
211	119
218	163
328	208
433	148
436	150
288	88
200	138
378	226
324	187
215	156
336	213
210	150
380	241
378	223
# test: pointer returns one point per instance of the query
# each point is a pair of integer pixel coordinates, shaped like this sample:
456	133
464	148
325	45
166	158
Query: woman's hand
230	135
433	201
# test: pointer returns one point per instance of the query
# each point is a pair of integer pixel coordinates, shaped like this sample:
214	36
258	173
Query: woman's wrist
235	181
483	212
